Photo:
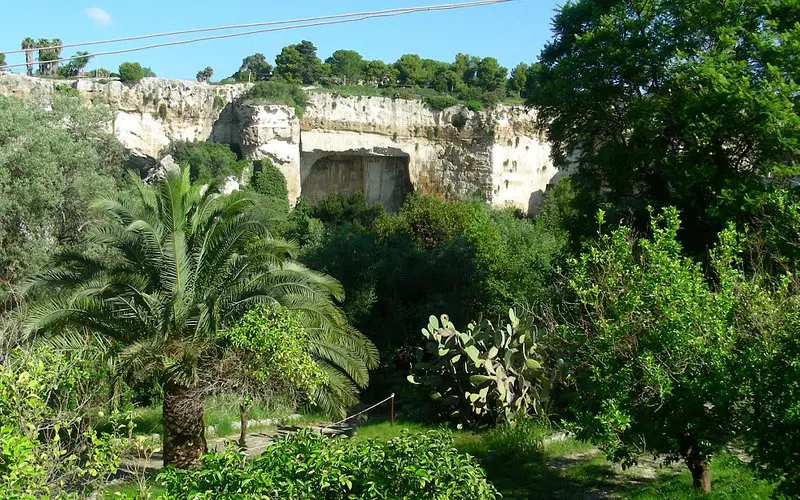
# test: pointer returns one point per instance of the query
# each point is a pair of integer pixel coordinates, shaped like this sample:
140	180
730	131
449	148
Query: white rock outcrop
381	145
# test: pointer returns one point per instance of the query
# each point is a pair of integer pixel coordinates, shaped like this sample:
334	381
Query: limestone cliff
380	145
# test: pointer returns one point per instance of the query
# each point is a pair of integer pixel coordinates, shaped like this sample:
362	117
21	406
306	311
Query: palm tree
185	265
28	45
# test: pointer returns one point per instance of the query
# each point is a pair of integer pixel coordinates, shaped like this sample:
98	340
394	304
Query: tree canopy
672	102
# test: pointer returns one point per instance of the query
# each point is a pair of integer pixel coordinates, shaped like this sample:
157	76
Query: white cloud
98	16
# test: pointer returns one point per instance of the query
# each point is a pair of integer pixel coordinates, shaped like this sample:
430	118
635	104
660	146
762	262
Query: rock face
382	146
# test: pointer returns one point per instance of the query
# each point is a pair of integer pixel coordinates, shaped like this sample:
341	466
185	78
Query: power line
327	20
217	28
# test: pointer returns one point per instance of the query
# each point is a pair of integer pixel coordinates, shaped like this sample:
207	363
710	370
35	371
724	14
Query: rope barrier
391	396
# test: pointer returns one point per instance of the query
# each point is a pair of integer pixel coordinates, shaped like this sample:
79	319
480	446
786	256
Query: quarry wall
385	147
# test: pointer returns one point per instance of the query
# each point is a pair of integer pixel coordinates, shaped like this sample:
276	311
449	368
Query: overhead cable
325	20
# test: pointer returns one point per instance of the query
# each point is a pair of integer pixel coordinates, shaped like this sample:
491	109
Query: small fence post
392	409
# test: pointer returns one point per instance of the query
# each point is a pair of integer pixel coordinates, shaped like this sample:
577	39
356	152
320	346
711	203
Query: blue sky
510	32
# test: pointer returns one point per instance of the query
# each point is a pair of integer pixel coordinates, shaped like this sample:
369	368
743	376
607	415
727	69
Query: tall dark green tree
299	63
410	69
184	265
517	80
254	68
491	76
346	65
691	103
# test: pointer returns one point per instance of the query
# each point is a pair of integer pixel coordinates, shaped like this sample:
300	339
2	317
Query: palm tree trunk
29	62
184	430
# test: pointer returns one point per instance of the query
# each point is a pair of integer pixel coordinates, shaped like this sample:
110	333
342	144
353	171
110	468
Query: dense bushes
461	257
49	174
307	465
46	445
213	162
441	102
208	162
275	92
268	180
132	72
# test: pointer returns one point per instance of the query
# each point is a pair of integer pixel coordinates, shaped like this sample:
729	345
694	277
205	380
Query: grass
432	96
221	412
131	490
529	461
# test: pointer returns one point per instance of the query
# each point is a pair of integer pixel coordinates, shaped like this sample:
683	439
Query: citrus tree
652	349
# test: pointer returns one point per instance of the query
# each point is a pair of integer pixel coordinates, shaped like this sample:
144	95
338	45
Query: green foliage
132	72
489	373
2	59
66	90
395	268
346	65
278	93
474	105
652	346
277	337
770	378
299	64
441	102
651	115
254	68
168	309
46	448
49	174
204	75
269	180
211	162
306	465
517	82
75	66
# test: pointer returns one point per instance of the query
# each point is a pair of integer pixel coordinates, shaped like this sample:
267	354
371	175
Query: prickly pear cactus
487	373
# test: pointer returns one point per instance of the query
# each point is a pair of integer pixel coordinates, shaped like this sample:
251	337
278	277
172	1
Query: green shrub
462	257
441	101
46	446
474	105
338	209
67	90
132	72
273	92
268	180
211	162
307	465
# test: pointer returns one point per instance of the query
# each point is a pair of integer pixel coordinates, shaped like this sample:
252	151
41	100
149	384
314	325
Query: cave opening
384	180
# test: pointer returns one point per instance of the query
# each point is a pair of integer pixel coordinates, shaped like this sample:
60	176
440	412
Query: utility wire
338	19
222	28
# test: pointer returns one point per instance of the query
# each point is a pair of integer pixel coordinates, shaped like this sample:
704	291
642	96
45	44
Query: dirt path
257	442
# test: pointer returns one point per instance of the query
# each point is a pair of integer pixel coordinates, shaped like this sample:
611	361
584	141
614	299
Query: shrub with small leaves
276	335
47	448
308	465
